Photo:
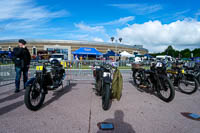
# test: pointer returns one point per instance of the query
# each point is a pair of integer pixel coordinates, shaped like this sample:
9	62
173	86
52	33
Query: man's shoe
16	91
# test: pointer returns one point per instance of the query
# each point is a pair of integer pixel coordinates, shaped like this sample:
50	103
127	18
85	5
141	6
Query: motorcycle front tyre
27	98
184	88
106	100
166	84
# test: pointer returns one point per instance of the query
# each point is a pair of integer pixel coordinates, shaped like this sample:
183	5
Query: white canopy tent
126	54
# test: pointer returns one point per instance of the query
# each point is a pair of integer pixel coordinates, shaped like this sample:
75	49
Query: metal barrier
7	72
75	70
83	70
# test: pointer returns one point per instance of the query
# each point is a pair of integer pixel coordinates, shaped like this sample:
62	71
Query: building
68	46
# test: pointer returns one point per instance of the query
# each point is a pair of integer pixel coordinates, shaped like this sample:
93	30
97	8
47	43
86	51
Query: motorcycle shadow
59	93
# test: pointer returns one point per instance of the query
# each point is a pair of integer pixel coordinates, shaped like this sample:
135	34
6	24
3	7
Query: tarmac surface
76	109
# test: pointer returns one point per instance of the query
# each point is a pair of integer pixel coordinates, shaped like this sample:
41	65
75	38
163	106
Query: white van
138	59
59	57
164	57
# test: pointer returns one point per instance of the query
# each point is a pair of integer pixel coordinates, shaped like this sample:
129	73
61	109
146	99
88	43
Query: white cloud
26	18
26	9
139	9
156	36
88	28
181	12
98	39
119	21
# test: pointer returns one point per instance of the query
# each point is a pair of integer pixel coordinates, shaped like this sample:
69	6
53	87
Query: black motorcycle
102	74
195	71
155	80
44	79
183	78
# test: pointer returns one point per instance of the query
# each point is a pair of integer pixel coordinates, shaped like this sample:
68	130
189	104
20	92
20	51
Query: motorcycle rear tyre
137	78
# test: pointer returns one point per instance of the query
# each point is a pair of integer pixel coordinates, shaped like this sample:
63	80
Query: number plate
39	68
105	74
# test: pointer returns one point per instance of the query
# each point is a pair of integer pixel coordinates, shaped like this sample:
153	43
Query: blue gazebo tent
186	59
148	56
8	54
87	51
197	59
4	52
137	55
110	53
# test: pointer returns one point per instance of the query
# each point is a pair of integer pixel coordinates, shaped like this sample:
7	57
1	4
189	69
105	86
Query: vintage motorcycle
44	79
183	78
155	80
102	75
194	70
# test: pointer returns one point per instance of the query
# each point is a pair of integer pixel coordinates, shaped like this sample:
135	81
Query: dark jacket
22	57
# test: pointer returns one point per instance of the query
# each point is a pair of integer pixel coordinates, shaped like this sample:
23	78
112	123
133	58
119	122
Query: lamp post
120	40
112	39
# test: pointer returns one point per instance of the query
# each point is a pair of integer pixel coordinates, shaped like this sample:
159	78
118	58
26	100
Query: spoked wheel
137	78
165	89
106	100
34	97
188	86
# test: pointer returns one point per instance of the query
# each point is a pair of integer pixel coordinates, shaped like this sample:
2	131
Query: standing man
22	59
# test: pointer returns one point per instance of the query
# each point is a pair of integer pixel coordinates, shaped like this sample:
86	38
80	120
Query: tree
186	53
196	52
170	51
176	54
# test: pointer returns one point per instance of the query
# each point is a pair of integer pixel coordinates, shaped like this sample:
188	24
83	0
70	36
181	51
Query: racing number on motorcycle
39	68
183	71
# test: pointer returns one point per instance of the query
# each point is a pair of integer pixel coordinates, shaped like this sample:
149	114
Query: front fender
107	79
30	81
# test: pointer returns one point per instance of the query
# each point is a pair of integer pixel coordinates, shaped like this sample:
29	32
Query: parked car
59	57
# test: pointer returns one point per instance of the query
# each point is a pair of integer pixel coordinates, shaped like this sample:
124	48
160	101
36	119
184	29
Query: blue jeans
18	71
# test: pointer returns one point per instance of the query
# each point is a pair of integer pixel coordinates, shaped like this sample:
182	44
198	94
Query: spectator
38	57
76	58
22	59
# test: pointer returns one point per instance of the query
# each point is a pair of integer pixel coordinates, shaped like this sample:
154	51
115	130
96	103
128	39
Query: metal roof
139	47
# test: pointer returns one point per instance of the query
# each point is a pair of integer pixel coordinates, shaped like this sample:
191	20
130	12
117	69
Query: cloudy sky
155	24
